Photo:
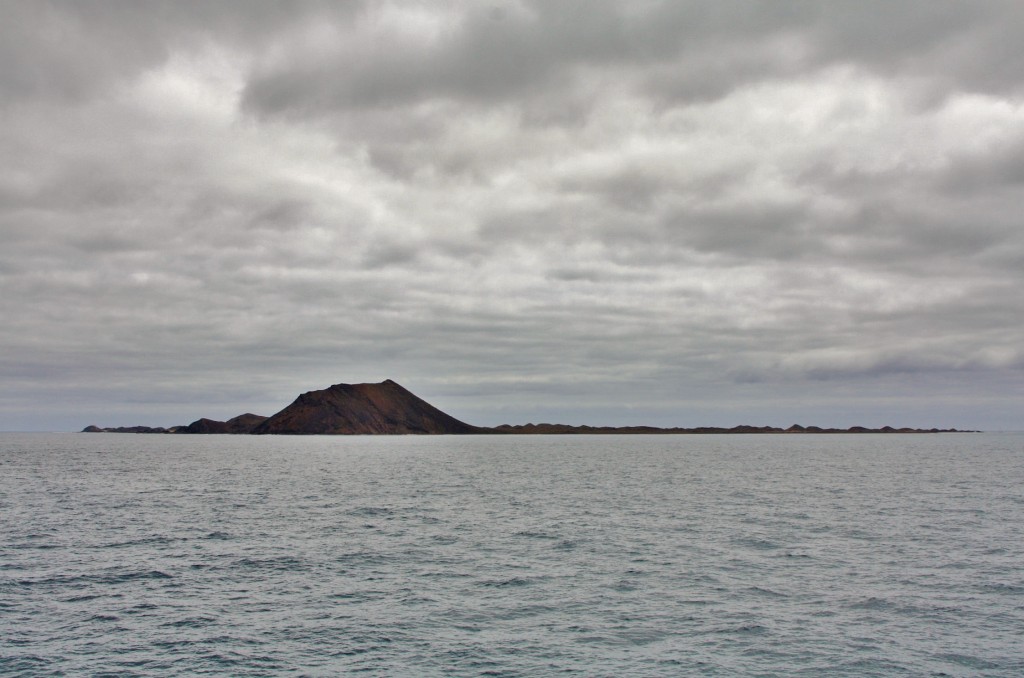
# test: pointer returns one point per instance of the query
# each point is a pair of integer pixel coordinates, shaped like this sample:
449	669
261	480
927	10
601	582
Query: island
389	409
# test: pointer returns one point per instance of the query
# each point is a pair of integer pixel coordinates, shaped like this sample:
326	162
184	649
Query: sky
600	212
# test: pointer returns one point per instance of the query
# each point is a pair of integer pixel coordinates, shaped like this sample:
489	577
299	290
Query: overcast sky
632	212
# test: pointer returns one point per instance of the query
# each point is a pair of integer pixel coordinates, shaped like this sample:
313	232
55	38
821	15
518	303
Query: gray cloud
668	212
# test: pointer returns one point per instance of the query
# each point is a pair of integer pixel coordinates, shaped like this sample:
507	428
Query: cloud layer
598	212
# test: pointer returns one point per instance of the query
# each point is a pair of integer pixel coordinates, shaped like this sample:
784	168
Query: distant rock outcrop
243	423
205	425
362	409
127	429
553	429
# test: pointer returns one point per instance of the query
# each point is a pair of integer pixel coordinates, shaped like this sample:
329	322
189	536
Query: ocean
755	555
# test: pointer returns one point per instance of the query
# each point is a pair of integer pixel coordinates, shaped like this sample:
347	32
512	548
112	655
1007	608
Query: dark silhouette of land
389	409
362	409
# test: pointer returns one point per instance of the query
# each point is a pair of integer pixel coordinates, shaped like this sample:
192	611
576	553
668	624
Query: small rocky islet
389	409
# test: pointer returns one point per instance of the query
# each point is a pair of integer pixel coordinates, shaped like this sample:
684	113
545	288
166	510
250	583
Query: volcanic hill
354	409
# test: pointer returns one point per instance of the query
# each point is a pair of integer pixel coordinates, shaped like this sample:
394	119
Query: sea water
734	555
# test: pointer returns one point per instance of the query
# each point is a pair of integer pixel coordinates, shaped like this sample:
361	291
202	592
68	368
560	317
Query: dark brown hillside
362	409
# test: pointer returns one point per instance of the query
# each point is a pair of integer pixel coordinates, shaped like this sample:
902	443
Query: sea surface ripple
870	555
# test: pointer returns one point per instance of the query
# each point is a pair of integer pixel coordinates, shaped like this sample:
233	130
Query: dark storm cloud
522	51
997	169
72	51
517	52
776	232
598	210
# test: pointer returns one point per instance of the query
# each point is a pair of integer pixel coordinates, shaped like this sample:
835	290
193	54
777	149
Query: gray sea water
512	556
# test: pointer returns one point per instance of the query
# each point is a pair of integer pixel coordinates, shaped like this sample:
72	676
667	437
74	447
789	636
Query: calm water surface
512	556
